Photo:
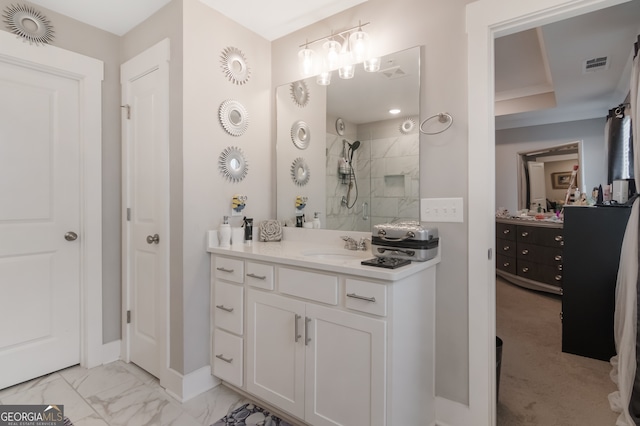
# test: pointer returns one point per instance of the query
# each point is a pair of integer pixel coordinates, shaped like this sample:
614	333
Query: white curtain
626	315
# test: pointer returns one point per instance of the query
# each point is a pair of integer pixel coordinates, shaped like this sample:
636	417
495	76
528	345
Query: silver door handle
70	236
227	360
307	339
224	308
221	269
155	239
296	331
357	296
260	277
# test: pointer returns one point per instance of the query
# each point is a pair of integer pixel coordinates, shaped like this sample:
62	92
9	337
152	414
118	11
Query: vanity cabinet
344	345
530	254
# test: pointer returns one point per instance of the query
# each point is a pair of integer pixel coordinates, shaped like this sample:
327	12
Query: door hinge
128	108
128	317
490	254
128	214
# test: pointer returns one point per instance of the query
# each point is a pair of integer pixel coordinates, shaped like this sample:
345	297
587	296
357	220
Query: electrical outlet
441	210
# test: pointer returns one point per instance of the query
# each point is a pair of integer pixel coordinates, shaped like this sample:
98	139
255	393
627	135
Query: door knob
70	236
153	239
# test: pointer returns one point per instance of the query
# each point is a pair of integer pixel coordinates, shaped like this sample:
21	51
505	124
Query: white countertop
321	256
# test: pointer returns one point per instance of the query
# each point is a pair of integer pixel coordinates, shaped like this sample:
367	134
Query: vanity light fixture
355	48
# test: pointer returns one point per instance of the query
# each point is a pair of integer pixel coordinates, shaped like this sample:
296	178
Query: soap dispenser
225	232
316	220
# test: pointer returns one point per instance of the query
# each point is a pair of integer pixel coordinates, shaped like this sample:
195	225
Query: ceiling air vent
392	72
596	64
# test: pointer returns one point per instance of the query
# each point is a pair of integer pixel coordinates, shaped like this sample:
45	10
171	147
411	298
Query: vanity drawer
260	275
227	357
365	296
229	269
506	247
228	307
309	285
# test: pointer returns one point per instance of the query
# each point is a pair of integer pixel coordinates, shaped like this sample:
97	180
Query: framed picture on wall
560	180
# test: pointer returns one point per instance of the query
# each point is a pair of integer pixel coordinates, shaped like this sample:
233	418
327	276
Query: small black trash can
498	365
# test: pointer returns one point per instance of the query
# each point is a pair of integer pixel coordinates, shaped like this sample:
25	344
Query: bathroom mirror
365	160
232	164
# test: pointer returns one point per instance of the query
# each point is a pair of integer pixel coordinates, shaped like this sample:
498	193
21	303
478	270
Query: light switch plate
441	210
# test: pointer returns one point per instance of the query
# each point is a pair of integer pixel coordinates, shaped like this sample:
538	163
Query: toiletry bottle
316	220
248	229
224	232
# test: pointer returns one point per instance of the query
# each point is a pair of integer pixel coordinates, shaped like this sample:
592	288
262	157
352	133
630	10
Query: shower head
354	146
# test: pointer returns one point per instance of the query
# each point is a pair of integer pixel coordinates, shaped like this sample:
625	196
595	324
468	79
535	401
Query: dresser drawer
506	231
309	285
505	247
228	303
229	269
227	357
540	254
506	263
551	237
259	275
365	296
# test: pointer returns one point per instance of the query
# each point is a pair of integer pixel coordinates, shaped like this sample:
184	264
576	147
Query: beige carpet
541	385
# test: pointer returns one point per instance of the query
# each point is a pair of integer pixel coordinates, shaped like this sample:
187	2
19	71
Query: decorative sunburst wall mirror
232	164
28	23
300	93
233	117
300	172
234	65
407	126
300	134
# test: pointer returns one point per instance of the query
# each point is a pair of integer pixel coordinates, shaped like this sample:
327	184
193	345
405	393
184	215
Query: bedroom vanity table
306	328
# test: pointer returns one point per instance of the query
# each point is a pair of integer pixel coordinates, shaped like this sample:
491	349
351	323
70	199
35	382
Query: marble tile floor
120	394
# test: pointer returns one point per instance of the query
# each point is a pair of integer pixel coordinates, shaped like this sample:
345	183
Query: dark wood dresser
529	253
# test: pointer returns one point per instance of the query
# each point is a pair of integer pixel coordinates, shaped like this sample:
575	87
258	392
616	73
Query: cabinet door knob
559	267
506	248
525	252
558	238
506	264
524	234
525	270
506	231
558	258
558	277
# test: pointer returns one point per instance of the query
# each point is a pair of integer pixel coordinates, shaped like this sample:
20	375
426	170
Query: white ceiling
534	69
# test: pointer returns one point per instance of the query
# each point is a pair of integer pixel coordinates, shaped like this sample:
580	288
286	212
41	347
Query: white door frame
88	72
154	59
486	20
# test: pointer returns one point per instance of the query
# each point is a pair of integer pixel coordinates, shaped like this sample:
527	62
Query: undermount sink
335	254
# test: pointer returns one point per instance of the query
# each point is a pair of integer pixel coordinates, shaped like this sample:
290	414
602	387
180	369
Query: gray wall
90	41
509	142
438	26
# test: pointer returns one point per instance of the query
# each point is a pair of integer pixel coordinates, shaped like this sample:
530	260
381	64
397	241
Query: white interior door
39	223
537	186
146	196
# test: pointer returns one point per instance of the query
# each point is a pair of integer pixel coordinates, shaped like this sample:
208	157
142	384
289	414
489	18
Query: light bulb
306	62
332	49
347	68
324	78
360	45
372	65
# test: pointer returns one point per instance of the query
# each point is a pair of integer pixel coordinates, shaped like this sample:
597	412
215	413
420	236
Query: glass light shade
306	62
332	50
324	78
360	45
347	68
372	65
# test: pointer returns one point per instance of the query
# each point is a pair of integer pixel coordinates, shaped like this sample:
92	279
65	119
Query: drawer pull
506	264
224	308
559	267
506	248
558	258
307	339
357	296
260	277
525	270
224	270
524	234
525	252
558	277
296	330
506	231
227	360
558	238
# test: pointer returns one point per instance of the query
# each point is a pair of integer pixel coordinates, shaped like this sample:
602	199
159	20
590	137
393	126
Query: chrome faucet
351	244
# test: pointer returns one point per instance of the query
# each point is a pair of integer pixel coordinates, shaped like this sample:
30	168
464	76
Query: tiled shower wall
387	176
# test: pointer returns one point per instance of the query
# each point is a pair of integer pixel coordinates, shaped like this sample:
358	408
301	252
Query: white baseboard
111	351
185	387
451	413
